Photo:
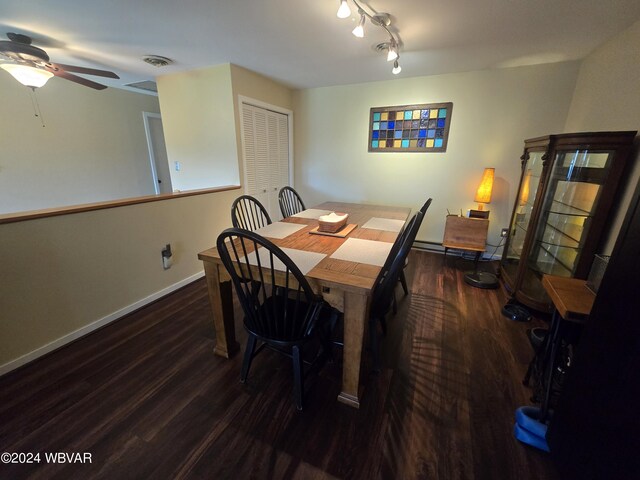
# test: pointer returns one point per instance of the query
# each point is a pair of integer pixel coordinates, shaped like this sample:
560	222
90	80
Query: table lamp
483	194
478	278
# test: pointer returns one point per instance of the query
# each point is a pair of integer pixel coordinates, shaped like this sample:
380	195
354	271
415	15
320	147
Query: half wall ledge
87	207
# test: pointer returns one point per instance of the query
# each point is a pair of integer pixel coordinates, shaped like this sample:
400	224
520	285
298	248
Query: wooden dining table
344	276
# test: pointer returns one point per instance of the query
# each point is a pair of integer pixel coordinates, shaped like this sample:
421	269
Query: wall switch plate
178	166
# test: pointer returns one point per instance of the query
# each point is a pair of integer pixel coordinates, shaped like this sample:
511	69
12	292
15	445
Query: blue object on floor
528	429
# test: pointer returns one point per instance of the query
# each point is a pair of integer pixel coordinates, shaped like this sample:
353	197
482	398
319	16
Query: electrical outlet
167	257
504	232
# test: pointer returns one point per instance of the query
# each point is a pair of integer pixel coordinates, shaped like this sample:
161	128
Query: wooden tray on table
343	232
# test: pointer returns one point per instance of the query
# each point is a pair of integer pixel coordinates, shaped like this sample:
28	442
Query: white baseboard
81	332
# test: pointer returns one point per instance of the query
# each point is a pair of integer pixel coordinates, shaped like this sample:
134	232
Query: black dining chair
398	242
403	279
426	206
281	311
382	295
290	202
248	213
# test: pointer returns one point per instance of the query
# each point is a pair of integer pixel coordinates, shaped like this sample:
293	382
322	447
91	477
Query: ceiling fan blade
88	71
80	80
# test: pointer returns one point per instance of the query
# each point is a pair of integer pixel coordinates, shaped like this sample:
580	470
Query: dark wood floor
147	399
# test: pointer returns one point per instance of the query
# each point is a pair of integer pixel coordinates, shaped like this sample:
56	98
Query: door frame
152	155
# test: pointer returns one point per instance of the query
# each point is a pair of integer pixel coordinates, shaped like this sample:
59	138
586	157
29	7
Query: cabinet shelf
515	252
581	174
561	208
567	235
551	269
522	226
557	256
566	209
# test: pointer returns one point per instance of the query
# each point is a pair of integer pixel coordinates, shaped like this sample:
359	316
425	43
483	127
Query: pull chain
36	105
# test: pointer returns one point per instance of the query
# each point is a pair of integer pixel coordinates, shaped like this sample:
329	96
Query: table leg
355	309
221	300
555	341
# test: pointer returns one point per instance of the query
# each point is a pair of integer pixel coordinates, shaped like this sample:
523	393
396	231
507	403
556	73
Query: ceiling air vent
157	60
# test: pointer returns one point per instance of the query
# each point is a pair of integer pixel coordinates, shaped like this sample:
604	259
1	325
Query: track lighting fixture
382	20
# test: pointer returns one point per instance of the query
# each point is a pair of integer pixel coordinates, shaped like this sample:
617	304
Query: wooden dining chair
281	311
248	213
290	202
382	295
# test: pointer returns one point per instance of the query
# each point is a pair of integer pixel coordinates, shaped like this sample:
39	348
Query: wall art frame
422	128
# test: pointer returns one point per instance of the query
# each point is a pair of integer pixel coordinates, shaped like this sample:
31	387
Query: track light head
344	11
396	68
359	30
392	54
390	48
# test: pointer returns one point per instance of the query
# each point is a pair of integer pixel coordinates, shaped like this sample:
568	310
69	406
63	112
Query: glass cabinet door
575	185
523	213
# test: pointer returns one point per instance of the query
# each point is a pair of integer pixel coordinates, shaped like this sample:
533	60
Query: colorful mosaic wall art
410	128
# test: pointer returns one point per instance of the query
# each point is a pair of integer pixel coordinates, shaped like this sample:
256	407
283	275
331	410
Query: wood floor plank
148	399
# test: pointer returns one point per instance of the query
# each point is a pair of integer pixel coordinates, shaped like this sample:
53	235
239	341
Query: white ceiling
302	43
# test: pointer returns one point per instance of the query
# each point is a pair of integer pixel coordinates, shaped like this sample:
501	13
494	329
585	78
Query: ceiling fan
30	65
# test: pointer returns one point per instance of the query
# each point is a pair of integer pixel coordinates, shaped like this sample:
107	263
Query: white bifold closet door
265	138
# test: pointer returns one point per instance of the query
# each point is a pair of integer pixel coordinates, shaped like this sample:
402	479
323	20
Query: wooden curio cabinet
566	191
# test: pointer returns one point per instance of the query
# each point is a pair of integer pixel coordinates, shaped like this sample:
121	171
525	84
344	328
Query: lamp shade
483	194
28	76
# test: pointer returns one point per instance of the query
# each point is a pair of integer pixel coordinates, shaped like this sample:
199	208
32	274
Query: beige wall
92	148
253	85
257	87
493	112
607	97
69	274
63	276
198	121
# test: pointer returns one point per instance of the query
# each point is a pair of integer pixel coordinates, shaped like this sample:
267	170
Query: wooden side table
572	302
570	296
464	233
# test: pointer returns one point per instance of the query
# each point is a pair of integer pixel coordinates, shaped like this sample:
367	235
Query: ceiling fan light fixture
28	76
